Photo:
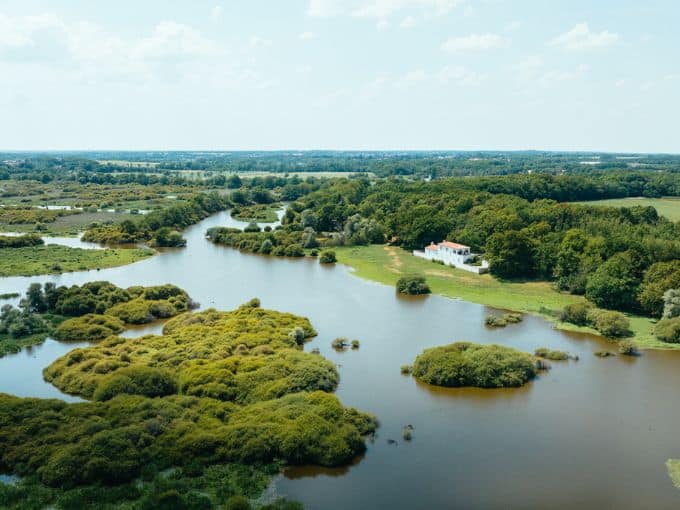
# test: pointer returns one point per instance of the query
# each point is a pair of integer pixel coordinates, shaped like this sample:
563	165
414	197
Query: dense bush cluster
280	243
215	388
89	327
98	310
545	353
413	284
134	305
224	486
608	323
19	323
494	321
20	241
244	355
327	257
467	364
150	226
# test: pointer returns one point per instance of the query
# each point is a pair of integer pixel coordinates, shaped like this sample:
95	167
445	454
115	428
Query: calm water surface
589	434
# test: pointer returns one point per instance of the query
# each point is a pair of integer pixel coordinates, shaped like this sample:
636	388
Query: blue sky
340	74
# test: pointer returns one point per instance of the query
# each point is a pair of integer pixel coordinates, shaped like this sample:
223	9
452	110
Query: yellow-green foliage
89	327
467	364
111	442
17	215
673	466
254	398
243	356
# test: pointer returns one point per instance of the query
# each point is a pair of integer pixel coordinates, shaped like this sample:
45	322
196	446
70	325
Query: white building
452	254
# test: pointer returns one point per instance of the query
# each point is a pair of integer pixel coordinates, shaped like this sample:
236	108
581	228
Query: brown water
590	434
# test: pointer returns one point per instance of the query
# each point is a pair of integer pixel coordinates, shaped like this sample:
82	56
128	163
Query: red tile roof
455	246
432	247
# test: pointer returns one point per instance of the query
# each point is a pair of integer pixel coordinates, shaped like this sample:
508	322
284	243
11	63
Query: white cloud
581	38
324	8
460	75
173	40
307	36
259	42
379	9
216	13
530	63
447	75
85	52
474	42
408	22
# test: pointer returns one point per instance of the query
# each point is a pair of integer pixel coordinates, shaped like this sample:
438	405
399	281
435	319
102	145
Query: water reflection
593	433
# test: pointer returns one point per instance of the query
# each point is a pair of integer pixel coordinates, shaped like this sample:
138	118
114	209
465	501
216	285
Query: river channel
593	433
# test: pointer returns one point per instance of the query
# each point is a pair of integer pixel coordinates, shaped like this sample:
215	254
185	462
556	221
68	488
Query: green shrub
466	364
545	353
495	322
355	344
627	348
668	330
89	327
610	324
512	318
136	380
414	284
327	257
237	503
340	344
603	354
406	369
294	250
576	313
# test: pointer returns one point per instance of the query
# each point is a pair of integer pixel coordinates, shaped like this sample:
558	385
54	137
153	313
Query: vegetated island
89	312
483	366
55	259
260	213
199	415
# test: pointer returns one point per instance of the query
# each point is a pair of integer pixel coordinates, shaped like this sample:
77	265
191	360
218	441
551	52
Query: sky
340	74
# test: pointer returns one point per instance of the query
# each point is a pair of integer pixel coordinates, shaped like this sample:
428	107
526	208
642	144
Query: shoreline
385	264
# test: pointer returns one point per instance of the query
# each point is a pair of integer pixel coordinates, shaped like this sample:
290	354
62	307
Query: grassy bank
385	264
54	259
261	213
668	207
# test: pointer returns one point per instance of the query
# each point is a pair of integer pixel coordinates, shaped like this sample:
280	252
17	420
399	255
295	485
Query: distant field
668	207
55	259
69	225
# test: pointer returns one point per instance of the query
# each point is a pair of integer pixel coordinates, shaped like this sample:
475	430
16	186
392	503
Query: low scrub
668	330
327	257
545	353
467	364
608	323
89	327
216	388
413	285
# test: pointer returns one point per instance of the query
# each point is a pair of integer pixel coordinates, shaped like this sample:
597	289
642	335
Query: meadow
54	259
667	206
385	264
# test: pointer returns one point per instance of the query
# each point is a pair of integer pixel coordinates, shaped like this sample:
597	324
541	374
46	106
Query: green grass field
70	225
52	259
385	264
668	207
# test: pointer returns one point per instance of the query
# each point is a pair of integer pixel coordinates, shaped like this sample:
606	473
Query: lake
593	433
